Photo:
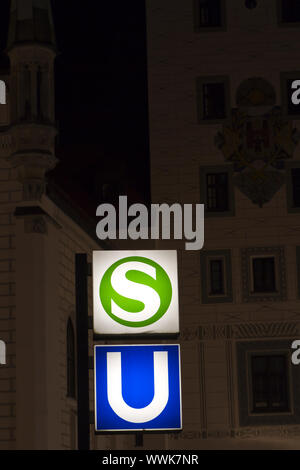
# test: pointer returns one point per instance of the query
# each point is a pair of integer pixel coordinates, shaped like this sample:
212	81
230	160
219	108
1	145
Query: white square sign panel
135	292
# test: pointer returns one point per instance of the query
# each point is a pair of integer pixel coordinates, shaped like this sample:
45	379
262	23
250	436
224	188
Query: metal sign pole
81	286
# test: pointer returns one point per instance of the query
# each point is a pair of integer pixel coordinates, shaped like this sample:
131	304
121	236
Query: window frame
281	23
298	270
6	112
293	187
289	186
244	350
247	254
209	276
209	185
209	29
204	171
207	297
252	283
212	79
251	411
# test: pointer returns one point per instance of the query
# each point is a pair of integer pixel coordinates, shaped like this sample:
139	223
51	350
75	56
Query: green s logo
135	291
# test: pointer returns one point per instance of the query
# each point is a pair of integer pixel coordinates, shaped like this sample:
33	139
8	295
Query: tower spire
31	22
31	48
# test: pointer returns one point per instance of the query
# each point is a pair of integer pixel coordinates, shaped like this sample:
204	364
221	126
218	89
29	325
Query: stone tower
31	49
39	237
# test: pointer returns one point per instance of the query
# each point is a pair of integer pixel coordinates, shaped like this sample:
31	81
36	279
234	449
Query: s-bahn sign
135	292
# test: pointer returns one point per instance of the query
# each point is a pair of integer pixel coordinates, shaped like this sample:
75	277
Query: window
42	24
4	103
293	186
216	269
263	270
26	87
212	99
269	383
216	190
298	269
295	173
216	277
263	274
71	371
289	11
209	15
2	92
39	78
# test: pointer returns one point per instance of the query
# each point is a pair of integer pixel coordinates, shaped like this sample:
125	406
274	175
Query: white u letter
161	389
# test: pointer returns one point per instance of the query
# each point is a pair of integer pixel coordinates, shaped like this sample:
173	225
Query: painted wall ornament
257	141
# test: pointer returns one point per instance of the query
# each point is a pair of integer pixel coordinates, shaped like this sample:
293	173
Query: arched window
2	92
4	104
26	93
39	78
71	365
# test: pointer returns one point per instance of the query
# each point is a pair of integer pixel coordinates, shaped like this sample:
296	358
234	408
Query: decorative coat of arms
257	144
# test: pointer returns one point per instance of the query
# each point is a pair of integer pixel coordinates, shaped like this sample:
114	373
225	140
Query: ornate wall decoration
265	330
210	332
280	431
189	334
274	431
257	141
255	91
280	329
185	435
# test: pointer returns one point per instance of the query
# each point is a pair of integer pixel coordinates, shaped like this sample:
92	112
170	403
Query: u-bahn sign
135	292
137	387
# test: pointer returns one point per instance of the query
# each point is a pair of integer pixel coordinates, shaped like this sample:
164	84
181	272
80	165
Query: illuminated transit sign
137	387
135	292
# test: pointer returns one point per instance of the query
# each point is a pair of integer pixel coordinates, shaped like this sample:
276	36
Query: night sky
101	97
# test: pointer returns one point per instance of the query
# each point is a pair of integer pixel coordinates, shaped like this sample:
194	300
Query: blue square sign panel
137	387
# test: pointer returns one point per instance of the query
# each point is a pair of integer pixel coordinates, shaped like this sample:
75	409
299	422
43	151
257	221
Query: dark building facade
224	132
